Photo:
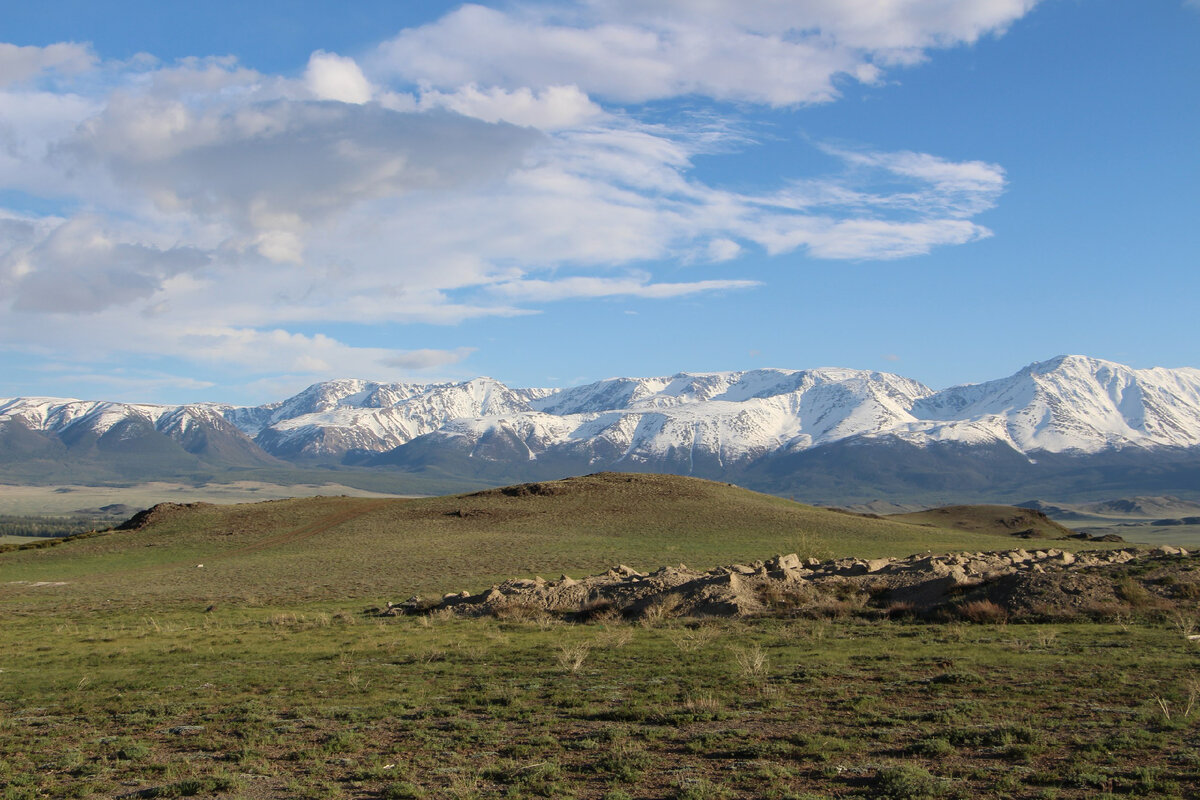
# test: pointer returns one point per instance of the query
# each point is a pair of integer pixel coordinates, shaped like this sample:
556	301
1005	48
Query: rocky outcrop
1046	583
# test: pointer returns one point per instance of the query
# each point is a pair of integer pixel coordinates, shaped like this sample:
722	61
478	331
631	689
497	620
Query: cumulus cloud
275	168
333	77
78	267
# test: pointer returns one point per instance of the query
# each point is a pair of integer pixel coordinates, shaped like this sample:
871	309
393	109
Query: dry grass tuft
571	657
751	661
984	612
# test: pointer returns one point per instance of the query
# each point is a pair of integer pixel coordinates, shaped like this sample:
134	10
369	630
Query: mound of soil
1016	584
158	513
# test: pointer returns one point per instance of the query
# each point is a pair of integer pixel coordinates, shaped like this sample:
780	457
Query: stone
186	730
789	561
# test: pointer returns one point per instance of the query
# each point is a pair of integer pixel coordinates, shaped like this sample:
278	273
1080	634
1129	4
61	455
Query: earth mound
156	514
1016	584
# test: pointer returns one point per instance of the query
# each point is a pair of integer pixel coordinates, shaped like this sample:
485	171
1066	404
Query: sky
229	201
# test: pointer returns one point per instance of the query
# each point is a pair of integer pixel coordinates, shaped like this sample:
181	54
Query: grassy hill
355	549
1023	522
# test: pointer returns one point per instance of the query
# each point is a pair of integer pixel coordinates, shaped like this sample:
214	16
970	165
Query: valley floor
58	499
315	702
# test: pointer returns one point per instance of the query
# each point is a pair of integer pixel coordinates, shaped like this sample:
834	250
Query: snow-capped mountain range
709	424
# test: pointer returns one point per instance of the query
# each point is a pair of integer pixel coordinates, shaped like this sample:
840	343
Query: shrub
907	783
402	790
961	677
932	748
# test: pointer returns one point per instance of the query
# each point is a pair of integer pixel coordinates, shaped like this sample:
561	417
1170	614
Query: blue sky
228	201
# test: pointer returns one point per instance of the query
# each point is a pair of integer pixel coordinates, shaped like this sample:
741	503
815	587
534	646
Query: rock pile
1032	583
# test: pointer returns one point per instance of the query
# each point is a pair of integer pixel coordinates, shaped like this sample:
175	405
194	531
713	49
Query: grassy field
129	670
1182	535
309	704
30	500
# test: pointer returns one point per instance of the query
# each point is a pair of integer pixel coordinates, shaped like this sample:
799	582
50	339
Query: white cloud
333	77
962	188
426	359
551	108
243	350
225	207
133	385
723	250
19	64
269	170
877	239
778	52
636	286
78	267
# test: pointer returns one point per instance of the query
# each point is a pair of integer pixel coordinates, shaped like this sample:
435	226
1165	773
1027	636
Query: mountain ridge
761	425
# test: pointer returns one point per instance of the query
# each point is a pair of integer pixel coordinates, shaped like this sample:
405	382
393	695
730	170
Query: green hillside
355	549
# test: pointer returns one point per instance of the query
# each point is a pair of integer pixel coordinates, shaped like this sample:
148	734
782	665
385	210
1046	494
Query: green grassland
127	670
1182	535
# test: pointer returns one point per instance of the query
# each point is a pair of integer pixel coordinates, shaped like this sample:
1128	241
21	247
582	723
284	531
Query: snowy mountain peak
1068	404
1076	404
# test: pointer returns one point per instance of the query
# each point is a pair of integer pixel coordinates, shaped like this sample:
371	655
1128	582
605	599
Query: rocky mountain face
819	431
45	437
